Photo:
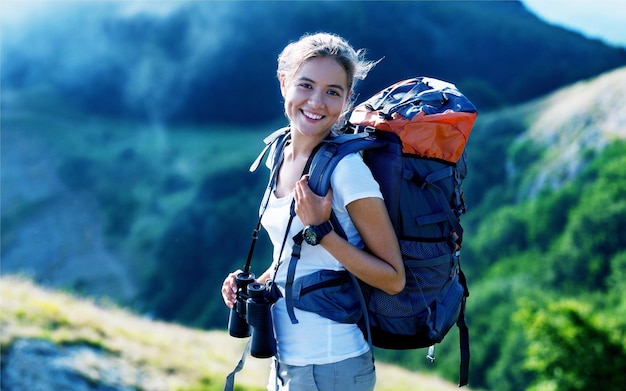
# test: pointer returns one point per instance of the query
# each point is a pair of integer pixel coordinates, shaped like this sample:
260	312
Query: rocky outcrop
39	365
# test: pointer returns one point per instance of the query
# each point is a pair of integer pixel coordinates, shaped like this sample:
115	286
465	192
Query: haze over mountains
214	62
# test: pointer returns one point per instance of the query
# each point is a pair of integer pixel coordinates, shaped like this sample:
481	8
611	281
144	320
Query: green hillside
544	240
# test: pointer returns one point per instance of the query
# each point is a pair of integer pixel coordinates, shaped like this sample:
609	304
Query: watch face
310	236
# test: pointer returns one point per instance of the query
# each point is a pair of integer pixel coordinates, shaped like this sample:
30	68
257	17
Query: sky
601	19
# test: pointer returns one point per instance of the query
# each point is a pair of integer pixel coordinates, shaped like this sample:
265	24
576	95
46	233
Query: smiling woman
317	75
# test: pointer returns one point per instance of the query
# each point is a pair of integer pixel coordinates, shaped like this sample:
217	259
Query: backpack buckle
369	130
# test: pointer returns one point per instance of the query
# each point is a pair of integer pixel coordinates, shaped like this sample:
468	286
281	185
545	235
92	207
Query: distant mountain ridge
214	62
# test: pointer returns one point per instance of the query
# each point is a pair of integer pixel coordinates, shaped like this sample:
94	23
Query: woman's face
316	96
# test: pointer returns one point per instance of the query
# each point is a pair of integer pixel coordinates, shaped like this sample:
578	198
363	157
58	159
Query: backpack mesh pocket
424	283
423	250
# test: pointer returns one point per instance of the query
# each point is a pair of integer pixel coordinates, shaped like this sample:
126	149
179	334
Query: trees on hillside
564	320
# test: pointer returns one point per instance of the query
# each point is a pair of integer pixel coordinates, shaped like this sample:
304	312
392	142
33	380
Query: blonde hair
325	45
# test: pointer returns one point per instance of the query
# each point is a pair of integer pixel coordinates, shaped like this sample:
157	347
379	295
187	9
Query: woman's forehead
323	70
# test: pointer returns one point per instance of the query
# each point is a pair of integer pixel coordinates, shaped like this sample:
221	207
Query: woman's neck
302	146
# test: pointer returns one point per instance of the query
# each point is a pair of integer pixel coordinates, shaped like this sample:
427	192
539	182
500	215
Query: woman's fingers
229	289
311	208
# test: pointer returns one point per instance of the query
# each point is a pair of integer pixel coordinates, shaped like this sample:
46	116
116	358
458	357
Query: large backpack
413	135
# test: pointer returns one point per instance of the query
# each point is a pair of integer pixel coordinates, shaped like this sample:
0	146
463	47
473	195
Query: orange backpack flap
431	117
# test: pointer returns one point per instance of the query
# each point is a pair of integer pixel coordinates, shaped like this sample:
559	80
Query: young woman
317	76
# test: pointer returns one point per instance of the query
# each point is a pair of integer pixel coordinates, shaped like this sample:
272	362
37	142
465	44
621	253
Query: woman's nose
316	99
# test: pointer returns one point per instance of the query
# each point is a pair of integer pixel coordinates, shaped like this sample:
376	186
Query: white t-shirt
315	339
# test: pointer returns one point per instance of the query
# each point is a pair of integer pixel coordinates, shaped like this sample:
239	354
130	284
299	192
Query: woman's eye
334	93
305	85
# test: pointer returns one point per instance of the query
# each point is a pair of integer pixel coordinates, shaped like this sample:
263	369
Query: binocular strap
230	379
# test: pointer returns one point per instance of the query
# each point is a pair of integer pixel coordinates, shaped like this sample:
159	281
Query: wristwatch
313	234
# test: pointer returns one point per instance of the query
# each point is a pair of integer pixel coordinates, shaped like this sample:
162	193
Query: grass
180	358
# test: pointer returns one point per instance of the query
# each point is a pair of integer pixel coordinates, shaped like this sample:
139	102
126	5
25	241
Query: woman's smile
311	115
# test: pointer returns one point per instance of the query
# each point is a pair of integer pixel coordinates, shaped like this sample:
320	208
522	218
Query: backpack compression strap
277	136
463	337
429	182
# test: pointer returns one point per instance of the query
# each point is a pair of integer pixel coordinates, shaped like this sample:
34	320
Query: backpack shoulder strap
331	152
277	139
320	167
278	136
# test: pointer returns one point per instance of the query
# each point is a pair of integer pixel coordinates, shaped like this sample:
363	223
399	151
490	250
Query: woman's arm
381	265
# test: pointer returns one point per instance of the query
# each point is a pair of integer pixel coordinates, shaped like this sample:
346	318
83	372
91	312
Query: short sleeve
352	180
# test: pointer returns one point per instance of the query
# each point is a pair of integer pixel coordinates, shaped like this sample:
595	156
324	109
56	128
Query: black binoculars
251	316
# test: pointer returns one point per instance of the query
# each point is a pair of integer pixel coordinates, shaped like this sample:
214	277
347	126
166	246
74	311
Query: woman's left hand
310	208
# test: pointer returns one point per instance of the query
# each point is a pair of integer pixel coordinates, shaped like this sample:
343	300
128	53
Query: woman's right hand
229	289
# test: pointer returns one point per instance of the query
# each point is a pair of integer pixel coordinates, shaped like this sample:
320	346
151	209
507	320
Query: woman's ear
283	88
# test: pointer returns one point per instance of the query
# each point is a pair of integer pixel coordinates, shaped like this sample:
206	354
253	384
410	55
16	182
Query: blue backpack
413	136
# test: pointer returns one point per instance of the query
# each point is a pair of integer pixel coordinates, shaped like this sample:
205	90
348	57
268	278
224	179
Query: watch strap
322	229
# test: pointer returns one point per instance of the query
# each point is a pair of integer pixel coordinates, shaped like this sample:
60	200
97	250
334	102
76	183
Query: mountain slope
522	150
569	127
74	344
85	200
